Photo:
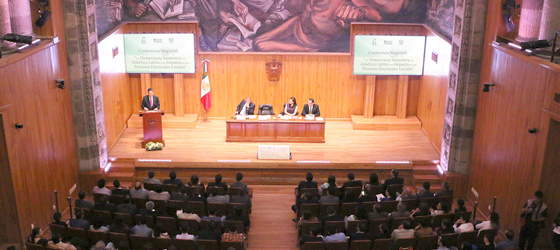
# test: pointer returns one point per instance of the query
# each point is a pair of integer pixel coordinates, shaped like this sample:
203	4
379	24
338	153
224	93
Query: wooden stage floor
207	143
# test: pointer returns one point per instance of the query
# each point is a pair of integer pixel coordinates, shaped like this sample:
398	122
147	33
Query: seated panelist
311	108
150	101
290	108
246	107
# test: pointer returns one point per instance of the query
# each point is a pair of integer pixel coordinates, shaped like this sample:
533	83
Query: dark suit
392	181
83	204
79	223
109	207
221	184
120	191
359	236
241	185
444	193
315	110
178	196
353	183
146	102
177	181
243	218
336	217
127	209
250	110
425	194
306	184
209	235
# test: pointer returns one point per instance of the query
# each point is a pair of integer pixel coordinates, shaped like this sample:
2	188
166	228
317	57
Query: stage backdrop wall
327	78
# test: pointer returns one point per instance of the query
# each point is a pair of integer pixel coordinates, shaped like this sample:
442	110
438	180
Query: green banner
159	53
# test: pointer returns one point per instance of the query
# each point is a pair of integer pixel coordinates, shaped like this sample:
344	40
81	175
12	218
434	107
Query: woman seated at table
290	108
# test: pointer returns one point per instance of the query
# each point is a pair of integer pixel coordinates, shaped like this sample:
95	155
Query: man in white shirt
185	233
463	225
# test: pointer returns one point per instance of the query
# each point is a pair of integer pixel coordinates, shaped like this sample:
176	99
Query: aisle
271	221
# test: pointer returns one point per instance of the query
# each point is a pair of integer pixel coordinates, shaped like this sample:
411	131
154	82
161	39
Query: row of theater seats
201	190
354	191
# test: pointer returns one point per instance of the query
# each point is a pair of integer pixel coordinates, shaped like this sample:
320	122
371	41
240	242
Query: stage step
168	120
383	123
425	170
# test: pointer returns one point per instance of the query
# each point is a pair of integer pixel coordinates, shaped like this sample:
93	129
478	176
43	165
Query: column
179	90
20	17
5	24
369	98
402	96
530	20
550	19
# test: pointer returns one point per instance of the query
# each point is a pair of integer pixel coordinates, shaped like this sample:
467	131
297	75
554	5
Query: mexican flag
205	87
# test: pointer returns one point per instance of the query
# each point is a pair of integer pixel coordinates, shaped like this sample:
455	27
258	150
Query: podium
152	126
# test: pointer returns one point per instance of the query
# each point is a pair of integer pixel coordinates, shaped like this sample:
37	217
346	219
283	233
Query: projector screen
389	55
159	53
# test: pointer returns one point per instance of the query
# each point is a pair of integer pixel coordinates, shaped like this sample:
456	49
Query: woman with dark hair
384	229
195	182
306	217
373	180
422	210
488	242
331	180
493	223
441	208
36	235
460	206
446	228
98	224
290	108
391	194
467	245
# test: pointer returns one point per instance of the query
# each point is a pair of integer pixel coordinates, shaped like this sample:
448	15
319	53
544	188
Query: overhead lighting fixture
154	160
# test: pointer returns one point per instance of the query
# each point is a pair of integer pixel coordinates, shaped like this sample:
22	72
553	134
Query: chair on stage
362	244
265	109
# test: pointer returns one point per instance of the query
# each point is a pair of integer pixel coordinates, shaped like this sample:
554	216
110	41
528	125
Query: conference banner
159	53
389	55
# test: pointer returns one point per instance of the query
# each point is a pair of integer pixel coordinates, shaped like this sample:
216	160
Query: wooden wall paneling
136	92
179	95
9	224
386	95
146	83
369	97
402	96
502	147
553	89
164	88
414	83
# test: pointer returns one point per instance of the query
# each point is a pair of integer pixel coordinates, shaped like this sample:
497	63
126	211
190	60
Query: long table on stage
275	130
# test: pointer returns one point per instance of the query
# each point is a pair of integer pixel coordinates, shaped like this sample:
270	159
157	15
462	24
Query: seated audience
446	227
79	221
305	198
394	180
211	233
404	231
406	195
308	183
242	198
105	205
57	219
334	234
239	216
218	183
463	225
97	224
119	226
446	190
426	191
159	194
126	207
509	243
141	229
306	216
466	245
350	183
373	180
233	235
36	235
239	184
441	208
422	210
313	237
197	196
81	202
384	232
185	233
118	189
401	211
443	244
173	179
101	189
212	211
423	229
377	213
139	192
361	213
181	195
215	198
187	213
331	181
488	242
390	194
329	198
161	233
369	195
332	216
361	233
151	211
493	223
195	182
56	243
460	206
150	179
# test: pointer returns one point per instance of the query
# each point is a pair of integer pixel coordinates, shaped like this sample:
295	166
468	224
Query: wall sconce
487	86
60	83
19	126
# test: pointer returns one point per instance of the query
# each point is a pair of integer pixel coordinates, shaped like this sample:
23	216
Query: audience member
426	191
239	184
334	234
123	245
36	235
197	196
463	225
488	242
81	202
401	211
390	194
306	216
493	223
406	195
308	183
151	211
351	183
361	213
313	237
215	198
218	183
195	182
331	181
441	208
404	231
377	213
445	228
139	192
101	189
141	229
211	233
373	180
119	226
150	179
233	235
242	198
56	242
98	224
79	221
118	189
394	180
126	207
57	219
460	206
446	190
422	210
305	198
423	229
330	197
173	179
105	205
368	195
443	244
509	243
187	213
466	245
384	232
161	233
159	194
360	233
212	211
534	213
332	216
239	216
181	195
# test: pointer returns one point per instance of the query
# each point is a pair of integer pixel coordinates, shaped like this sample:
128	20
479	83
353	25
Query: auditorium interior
483	116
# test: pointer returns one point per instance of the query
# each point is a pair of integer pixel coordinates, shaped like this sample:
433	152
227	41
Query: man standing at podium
150	101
